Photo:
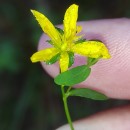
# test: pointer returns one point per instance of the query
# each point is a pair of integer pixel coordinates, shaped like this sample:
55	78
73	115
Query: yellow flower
66	41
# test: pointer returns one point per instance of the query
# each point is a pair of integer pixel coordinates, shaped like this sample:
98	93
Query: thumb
111	77
114	119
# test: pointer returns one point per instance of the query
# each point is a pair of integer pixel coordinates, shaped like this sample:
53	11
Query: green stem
66	108
68	89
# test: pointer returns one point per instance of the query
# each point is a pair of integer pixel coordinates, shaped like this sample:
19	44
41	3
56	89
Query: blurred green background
29	100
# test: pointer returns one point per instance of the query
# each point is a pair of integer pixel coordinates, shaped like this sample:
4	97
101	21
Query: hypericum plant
65	44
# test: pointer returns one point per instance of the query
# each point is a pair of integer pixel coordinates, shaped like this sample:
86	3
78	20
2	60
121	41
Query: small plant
65	44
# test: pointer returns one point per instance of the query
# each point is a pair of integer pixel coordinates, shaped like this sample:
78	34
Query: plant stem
68	89
66	108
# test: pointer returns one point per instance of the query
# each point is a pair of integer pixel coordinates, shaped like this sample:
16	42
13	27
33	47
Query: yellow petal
78	29
64	61
70	20
93	49
76	38
44	55
47	27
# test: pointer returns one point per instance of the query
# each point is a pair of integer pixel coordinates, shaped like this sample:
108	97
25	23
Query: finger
114	119
111	77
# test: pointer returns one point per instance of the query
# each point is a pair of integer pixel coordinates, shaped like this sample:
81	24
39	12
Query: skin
111	77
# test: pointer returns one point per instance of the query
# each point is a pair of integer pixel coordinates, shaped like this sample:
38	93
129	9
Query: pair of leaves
77	75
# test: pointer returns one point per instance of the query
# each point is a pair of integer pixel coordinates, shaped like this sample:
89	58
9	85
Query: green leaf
92	61
73	76
60	30
87	93
80	41
71	58
49	41
53	59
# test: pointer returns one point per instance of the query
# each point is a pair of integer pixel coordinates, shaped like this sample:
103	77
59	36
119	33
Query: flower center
64	47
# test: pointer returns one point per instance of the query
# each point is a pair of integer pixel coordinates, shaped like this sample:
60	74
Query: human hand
111	77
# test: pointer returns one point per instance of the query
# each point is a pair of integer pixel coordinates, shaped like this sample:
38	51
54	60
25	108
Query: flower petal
93	49
70	19
47	27
78	29
44	55
64	61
